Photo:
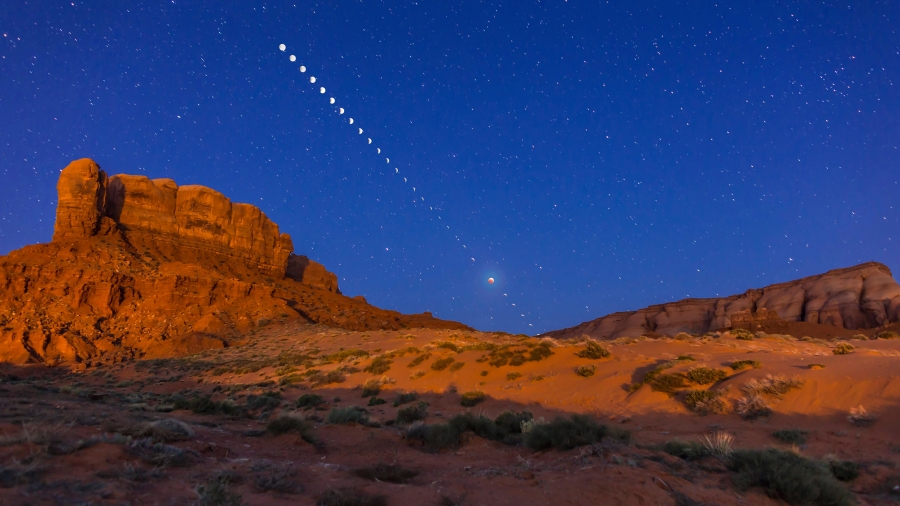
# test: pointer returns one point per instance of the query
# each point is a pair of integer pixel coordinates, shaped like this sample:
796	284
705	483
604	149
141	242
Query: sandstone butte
827	305
144	268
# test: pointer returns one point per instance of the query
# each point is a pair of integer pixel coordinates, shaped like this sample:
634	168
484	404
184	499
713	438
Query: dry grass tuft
752	406
772	385
860	417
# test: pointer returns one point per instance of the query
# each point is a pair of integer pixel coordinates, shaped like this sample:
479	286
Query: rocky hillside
861	297
146	268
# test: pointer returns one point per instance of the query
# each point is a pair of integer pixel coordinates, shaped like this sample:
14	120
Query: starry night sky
592	157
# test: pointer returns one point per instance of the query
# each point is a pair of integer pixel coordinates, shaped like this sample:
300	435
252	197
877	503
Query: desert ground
308	414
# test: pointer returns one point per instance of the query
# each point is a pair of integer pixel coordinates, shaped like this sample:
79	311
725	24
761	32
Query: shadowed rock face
865	296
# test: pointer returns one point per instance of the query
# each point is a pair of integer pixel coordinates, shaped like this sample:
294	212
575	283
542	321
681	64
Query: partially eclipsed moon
490	281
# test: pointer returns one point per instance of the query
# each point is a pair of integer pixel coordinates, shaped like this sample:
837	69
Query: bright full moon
491	281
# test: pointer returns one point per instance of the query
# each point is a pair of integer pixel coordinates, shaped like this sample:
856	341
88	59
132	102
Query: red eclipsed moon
491	281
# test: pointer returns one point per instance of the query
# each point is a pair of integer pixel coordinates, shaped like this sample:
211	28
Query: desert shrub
687	450
511	422
844	470
405	398
165	431
513	376
379	365
816	366
457	366
266	401
204	405
216	492
751	407
860	417
772	385
389	473
310	401
842	349
418	360
161	455
859	337
705	375
318	378
376	401
413	413
447	345
539	352
417	374
344	355
704	401
586	371
442	363
668	383
889	334
718	444
684	358
791	436
742	334
788	476
593	350
349	414
350	497
278	480
472	398
285	423
683	336
505	428
371	387
434	437
744	364
567	433
483	373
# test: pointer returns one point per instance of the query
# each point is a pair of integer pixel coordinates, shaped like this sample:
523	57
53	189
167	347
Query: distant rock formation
142	268
860	297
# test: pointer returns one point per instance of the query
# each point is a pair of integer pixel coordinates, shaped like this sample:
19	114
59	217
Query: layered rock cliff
860	297
144	268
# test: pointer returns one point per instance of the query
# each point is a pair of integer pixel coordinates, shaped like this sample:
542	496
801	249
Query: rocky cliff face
865	296
142	268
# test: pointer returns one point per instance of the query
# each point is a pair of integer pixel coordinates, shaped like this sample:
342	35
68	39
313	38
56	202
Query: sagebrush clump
593	350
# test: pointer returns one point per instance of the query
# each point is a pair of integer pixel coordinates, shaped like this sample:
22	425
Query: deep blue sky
592	157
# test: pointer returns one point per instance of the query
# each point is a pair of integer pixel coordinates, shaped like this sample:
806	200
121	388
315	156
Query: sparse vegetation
457	366
379	365
668	383
567	433
376	401
442	363
791	436
286	423
744	364
278	480
705	375
371	387
687	450
586	371
349	414
842	348
844	470
310	401
888	334
413	413
165	431
772	385
788	476
343	355
752	407
472	398
816	366
742	334
216	492
405	398
593	350
513	376
417	374
505	428
718	444
860	417
350	497
389	473
160	454
704	401
418	360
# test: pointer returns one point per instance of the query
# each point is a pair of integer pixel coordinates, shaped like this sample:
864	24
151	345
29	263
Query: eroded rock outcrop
142	268
860	297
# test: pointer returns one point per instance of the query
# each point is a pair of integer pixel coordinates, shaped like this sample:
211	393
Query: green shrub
376	401
593	350
704	401
350	414
777	385
567	433
668	383
844	470
511	422
309	401
705	375
442	363
684	358
379	365
472	398
457	366
842	349
513	376
284	424
418	360
889	334
216	492
505	428
539	352
791	436
406	398
344	355
204	405
788	476
371	387
350	497
586	371
687	450
742	334
448	345
266	401
744	364
387	473
483	373
409	414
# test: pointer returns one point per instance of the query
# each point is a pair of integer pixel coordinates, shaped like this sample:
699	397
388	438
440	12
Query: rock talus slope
860	297
143	268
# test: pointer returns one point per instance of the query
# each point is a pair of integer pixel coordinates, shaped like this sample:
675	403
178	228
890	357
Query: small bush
284	424
586	371
752	406
388	473
684	358
442	363
278	480
744	364
844	470
371	387
842	349
472	398
593	350
457	366
772	385
860	417
344	355
505	428
405	398
376	401
567	433
859	337
668	383
417	374
742	334
718	444
511	422
165	431
687	450
513	376
815	367
350	414
350	497
161	455
216	492
791	436
310	401
483	373
889	334
418	360
379	365
704	401
788	476
266	401
409	414
705	375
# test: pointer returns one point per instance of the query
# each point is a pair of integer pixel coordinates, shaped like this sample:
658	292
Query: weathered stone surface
860	297
82	191
312	273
